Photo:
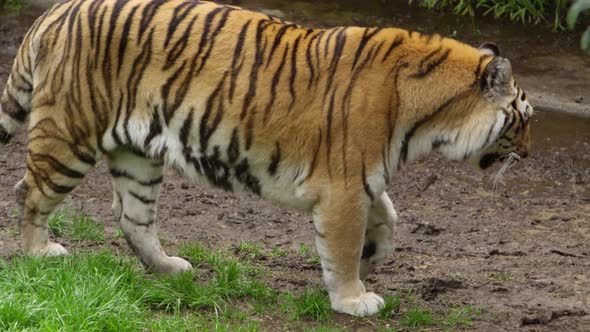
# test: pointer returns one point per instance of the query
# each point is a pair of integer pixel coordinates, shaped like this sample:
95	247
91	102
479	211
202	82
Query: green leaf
575	10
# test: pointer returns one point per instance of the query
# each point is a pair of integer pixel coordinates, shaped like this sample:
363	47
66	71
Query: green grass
310	303
277	252
417	317
76	226
251	249
392	304
97	292
461	316
104	292
305	251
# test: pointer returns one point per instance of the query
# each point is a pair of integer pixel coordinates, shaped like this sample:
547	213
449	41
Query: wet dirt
521	252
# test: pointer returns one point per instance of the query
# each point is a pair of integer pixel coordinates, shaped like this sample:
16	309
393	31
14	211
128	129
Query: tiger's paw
172	265
365	305
51	249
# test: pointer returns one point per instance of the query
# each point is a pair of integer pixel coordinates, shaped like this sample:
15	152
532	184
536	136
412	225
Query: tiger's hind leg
136	185
54	168
379	234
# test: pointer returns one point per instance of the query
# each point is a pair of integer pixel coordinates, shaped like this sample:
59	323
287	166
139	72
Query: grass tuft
76	226
251	249
462	316
312	303
392	304
76	293
417	317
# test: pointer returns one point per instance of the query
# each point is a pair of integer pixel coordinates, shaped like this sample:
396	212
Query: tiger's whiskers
510	161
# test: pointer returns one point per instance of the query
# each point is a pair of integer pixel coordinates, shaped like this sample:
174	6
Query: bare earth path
522	253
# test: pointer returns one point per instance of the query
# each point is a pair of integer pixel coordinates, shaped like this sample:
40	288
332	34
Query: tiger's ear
490	49
497	83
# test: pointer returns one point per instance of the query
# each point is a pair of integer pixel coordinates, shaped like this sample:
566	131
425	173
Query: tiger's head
509	138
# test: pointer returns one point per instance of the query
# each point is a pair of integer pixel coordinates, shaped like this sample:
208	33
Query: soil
520	252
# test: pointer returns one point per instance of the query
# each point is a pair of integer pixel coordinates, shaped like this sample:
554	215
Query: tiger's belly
220	160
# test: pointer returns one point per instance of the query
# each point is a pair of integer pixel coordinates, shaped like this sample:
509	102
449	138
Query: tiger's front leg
136	185
340	223
379	234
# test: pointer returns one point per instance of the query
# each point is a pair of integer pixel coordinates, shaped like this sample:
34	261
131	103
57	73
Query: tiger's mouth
491	158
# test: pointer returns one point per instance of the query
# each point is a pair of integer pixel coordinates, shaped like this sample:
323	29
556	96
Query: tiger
317	120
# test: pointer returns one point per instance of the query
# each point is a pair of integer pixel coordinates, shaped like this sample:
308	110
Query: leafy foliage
525	11
579	8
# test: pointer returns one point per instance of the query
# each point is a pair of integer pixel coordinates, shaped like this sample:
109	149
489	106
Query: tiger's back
315	119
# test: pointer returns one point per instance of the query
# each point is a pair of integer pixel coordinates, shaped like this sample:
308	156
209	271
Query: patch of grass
462	316
312	303
417	317
392	304
231	279
14	212
84	292
304	250
501	276
251	249
277	252
76	226
58	221
13	231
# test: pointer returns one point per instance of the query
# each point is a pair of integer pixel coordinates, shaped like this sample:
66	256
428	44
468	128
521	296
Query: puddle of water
555	130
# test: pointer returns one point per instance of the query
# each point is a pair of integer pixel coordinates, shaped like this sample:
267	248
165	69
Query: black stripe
149	12
179	46
14	109
168	109
107	57
293	71
275	82
125	38
237	52
278	37
398	41
207	129
309	61
114	132
425	67
141	198
55	164
155	127
258	60
123	174
186	128
99	38
233	149
211	39
138	69
275	160
365	184
178	16
314	159
418	124
137	222
364	40
338	48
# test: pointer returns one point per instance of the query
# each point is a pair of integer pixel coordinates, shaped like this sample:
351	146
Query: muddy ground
521	253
